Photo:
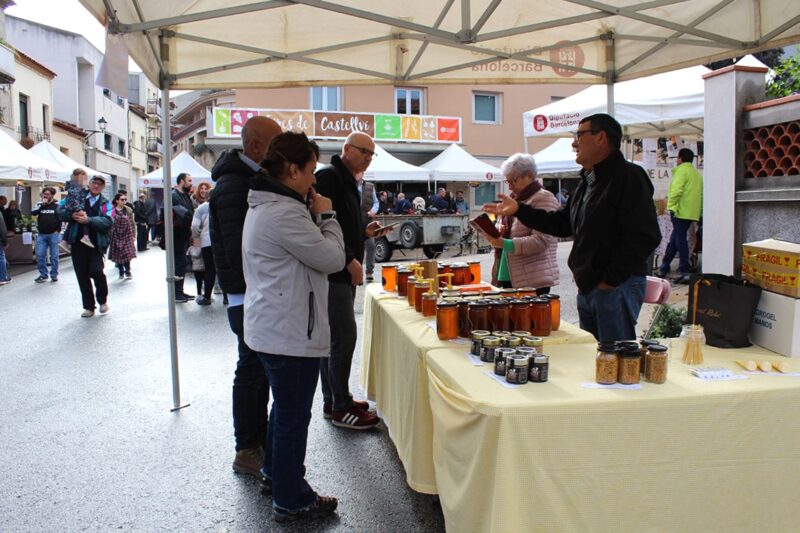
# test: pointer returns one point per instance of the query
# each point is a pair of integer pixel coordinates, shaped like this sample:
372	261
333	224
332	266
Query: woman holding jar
291	241
525	257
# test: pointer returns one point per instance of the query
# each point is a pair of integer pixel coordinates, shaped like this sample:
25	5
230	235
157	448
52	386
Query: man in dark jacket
337	181
140	217
613	219
227	211
151	212
49	235
183	211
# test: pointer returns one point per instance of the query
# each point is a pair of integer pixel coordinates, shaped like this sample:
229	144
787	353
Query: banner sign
659	157
228	122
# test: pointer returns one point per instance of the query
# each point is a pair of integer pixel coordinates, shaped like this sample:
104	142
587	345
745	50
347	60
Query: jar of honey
526	291
501	355
606	363
510	341
463	319
389	277
479	316
521	333
520	315
402	281
540	317
508	293
555	311
477	341
492	295
412	280
446	320
517	369
475	272
429	305
536	343
488	346
500	315
420	287
461	274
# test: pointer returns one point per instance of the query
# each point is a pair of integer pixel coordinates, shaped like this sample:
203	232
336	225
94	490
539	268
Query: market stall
48	152
182	162
386	167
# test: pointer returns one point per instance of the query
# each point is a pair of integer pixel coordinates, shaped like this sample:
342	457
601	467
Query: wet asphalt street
90	444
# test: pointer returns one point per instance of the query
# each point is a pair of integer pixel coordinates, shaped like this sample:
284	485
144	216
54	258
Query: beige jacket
534	263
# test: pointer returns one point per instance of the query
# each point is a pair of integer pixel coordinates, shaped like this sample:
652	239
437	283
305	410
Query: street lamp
101	123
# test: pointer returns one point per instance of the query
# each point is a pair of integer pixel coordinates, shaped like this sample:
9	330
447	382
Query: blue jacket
99	224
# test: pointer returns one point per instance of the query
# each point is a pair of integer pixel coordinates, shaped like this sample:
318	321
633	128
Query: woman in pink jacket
525	257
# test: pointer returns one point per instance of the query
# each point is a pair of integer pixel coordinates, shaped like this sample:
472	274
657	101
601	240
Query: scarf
508	220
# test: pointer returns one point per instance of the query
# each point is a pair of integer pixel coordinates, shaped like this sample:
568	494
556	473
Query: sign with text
228	122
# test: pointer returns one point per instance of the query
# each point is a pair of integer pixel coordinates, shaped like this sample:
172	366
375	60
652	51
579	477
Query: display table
18	253
557	457
396	341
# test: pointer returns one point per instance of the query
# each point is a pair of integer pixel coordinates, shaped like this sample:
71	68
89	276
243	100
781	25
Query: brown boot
249	461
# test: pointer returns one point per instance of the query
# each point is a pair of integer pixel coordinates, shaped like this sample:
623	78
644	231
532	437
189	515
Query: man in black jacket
613	219
227	211
183	210
140	217
49	235
337	181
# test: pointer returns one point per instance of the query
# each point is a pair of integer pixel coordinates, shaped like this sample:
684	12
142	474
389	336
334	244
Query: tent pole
168	234
610	73
525	140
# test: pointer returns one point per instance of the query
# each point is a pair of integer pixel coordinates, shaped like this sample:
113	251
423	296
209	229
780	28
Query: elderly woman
289	248
525	257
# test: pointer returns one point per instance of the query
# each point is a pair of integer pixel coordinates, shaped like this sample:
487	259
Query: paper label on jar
589	385
501	380
474	359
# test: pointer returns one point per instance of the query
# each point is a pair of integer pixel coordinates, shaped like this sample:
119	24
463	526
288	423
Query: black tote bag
724	306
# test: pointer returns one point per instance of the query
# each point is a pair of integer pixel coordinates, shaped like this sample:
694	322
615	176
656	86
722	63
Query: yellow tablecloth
396	340
685	456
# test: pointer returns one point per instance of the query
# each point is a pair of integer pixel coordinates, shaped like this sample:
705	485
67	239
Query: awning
47	151
19	164
386	167
182	162
558	158
456	164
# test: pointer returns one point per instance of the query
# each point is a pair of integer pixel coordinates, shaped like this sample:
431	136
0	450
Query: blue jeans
43	244
3	268
678	242
611	315
250	390
293	381
335	374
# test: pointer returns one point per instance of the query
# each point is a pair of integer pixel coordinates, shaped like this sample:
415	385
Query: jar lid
478	303
533	341
657	348
501	333
518	301
459	265
491	341
511	340
500	303
552	296
647	342
491	293
630	351
540	301
518	361
624	345
442	303
504	351
389	265
480	333
403	270
607	346
540	358
521	334
526	350
527	289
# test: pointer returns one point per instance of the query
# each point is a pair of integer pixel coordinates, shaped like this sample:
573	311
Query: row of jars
395	277
626	361
458	316
515	355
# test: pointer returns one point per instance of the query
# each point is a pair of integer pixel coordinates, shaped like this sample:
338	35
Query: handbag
724	306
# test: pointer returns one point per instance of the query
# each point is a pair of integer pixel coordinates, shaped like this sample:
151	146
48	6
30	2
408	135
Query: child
76	197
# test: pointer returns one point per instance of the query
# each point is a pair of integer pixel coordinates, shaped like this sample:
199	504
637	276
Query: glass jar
501	355
488	346
491	295
606	363
508	293
526	292
521	334
475	272
500	333
517	369
643	344
463	318
411	293
539	368
450	293
657	359
526	350
479	316
477	341
540	317
389	277
500	315
555	311
511	341
420	288
693	337
429	305
402	281
536	343
629	358
446	320
520	315
460	273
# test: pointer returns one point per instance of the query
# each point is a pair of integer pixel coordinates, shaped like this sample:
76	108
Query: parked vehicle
431	232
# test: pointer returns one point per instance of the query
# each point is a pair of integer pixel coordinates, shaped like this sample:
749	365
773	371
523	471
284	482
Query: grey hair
519	165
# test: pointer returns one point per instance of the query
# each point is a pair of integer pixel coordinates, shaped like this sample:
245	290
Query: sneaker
354	418
41	279
103	309
369	278
322	506
5	282
202	300
87	313
87	241
181	298
54	280
249	461
128	276
327	408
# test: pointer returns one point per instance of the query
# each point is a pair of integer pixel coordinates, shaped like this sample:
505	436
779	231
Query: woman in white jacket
202	240
289	248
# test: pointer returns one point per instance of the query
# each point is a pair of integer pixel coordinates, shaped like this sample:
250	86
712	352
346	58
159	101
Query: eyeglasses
511	181
577	135
364	151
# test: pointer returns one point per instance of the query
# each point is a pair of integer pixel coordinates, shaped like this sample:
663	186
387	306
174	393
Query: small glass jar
475	272
463	318
540	317
500	315
629	360
555	311
460	273
488	346
446	320
526	350
479	316
606	363
657	362
517	369
389	277
512	341
693	337
643	344
537	343
429	305
477	341
420	287
501	355
411	293
539	368
520	315
402	281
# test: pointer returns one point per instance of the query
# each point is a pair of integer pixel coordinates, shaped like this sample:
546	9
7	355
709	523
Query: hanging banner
228	123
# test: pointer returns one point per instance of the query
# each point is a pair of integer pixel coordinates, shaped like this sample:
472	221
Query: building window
121	148
325	98
45	117
24	125
107	142
408	101
486	108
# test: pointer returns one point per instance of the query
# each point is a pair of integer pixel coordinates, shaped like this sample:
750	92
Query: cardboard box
776	324
773	265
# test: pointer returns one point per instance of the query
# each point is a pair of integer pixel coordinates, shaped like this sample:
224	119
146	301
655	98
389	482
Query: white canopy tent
19	164
47	151
558	158
456	164
671	103
386	167
182	162
186	44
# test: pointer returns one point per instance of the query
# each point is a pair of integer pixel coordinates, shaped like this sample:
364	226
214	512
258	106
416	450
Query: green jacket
686	192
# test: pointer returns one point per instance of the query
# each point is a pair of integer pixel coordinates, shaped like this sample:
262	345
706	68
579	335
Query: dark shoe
54	280
327	408
323	506
683	279
369	278
41	279
128	276
266	485
354	418
249	461
121	276
181	298
202	300
661	274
